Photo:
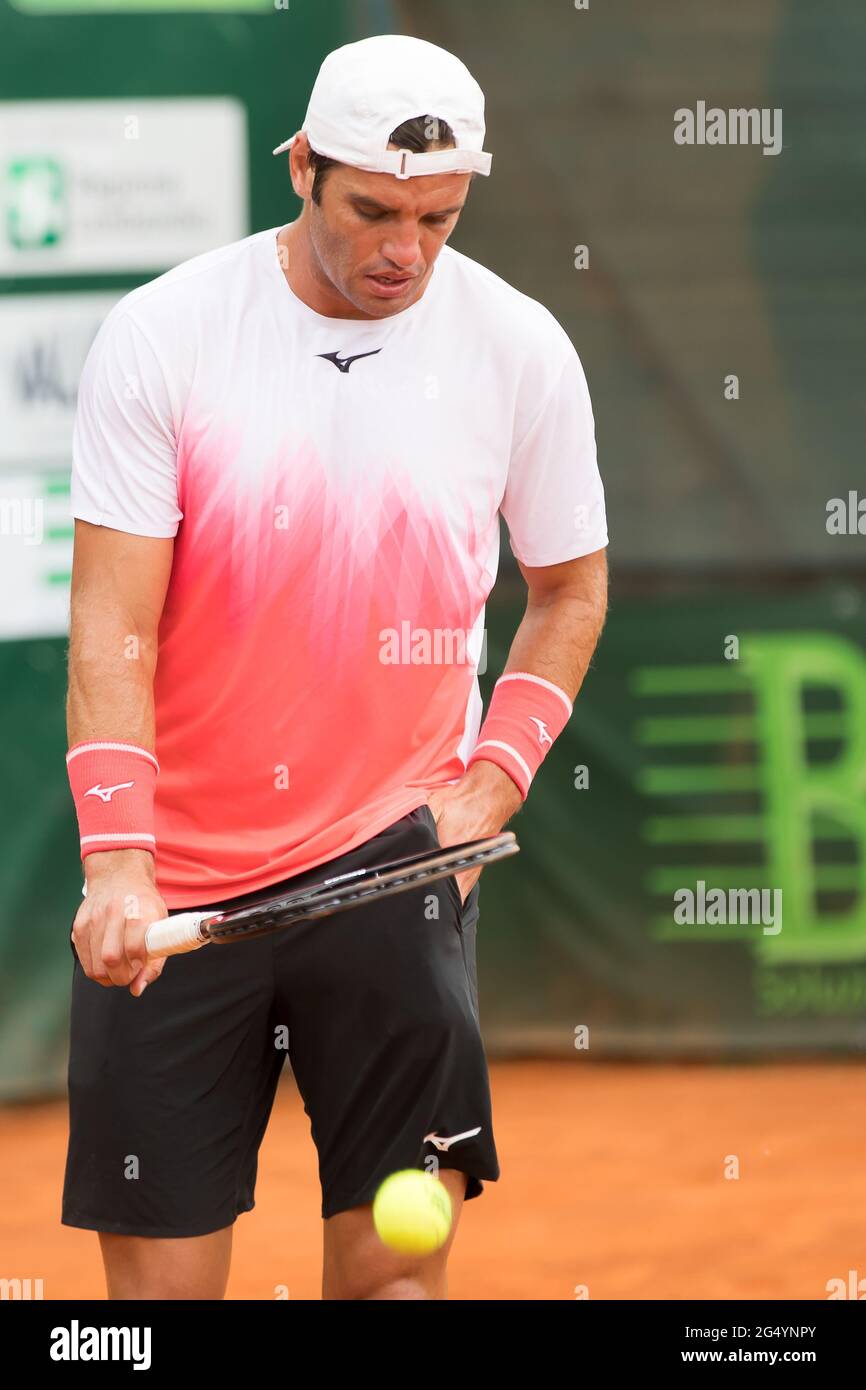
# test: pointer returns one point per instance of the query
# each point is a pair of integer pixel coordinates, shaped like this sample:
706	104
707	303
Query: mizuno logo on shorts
106	793
443	1144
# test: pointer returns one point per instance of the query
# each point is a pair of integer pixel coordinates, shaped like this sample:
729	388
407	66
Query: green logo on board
757	771
35	203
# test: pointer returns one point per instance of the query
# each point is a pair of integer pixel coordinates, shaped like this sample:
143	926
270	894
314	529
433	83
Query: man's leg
139	1267
169	1098
387	1053
358	1266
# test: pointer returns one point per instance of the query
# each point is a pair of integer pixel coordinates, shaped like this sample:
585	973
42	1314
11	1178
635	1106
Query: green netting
702	261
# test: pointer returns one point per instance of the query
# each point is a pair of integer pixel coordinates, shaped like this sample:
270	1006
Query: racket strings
266	916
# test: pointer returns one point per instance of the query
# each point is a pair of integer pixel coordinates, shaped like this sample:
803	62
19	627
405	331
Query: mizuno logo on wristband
106	793
543	735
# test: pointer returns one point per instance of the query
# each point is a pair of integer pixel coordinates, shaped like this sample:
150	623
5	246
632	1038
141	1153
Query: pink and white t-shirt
334	489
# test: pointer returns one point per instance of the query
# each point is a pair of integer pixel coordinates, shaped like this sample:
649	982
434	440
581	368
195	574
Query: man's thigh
384	1038
169	1095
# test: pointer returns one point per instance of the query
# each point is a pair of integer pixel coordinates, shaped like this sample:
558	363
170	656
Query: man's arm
557	636
564	617
119	582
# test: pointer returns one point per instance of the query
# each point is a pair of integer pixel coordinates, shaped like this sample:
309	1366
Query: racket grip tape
174	935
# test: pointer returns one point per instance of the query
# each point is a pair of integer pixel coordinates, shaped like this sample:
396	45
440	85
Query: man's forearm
555	641
558	635
119	583
110	700
110	693
547	662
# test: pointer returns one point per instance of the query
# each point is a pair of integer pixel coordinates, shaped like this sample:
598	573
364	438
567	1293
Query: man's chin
375	309
382	306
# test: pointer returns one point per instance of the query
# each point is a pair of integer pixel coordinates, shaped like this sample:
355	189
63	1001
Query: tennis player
290	460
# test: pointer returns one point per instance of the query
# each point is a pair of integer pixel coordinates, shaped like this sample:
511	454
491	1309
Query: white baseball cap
365	90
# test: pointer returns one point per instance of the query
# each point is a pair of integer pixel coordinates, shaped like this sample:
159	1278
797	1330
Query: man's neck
305	278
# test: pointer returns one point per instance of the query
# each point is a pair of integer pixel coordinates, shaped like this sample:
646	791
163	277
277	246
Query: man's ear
299	167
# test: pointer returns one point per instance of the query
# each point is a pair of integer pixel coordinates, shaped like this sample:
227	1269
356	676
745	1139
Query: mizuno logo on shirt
106	793
444	1144
344	363
543	735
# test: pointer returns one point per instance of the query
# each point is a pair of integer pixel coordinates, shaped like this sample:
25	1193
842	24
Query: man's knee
141	1268
408	1287
364	1285
158	1290
361	1268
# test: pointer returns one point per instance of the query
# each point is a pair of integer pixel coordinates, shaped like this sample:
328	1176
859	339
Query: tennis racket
187	931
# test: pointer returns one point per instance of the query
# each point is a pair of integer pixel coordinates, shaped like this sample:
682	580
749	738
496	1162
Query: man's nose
403	247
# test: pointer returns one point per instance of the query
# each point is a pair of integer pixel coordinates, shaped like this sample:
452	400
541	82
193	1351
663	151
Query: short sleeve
554	500
124	456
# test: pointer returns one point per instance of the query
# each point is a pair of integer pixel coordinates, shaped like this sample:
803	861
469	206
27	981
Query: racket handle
174	935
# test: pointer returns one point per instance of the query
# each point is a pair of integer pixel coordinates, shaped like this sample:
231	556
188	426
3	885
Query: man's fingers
144	971
109	934
86	936
135	943
145	977
114	959
466	882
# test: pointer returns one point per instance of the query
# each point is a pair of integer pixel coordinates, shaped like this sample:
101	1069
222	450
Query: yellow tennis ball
412	1212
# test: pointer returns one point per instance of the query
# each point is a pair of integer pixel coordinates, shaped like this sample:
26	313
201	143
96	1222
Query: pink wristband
525	716
113	786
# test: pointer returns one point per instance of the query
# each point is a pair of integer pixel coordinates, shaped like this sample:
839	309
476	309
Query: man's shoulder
192	286
498	306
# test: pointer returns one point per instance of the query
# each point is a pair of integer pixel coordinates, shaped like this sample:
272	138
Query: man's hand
108	932
479	804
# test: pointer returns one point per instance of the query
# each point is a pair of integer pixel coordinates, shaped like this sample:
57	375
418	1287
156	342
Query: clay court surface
612	1177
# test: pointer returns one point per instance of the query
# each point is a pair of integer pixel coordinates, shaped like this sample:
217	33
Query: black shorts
377	1009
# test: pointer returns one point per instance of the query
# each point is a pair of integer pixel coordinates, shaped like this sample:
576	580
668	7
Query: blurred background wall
716	297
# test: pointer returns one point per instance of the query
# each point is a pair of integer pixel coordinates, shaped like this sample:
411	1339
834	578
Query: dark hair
418	134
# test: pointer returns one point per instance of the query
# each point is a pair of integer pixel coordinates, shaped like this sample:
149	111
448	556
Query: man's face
376	237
